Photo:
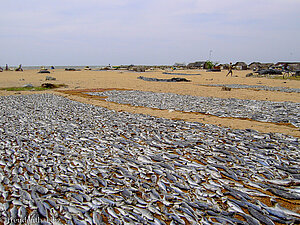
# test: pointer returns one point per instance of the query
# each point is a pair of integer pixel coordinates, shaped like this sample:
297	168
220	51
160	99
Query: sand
77	80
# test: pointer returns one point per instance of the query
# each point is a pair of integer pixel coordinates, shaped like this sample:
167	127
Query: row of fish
256	87
65	162
265	111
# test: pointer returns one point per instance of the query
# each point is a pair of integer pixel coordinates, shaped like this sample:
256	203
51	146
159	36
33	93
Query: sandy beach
80	80
121	112
80	83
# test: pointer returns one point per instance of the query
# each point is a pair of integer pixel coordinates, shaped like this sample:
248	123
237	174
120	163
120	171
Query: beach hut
266	66
196	65
240	66
179	65
254	66
293	66
191	65
223	66
138	69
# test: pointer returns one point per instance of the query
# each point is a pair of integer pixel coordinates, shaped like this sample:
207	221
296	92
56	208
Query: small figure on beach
19	68
229	69
6	67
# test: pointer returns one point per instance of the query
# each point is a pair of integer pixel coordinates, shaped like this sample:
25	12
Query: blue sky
100	32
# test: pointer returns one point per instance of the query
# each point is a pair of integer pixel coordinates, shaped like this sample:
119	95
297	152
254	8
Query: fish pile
265	111
174	79
190	74
256	87
65	162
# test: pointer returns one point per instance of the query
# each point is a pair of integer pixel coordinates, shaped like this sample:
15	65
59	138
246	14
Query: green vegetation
24	89
210	65
39	88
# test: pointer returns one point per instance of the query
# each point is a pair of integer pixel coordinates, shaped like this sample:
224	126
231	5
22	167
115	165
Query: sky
148	32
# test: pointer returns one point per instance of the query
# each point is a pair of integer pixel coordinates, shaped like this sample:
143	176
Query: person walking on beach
229	69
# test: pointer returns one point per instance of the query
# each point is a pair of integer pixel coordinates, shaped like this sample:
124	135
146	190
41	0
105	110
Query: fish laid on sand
74	163
265	111
255	87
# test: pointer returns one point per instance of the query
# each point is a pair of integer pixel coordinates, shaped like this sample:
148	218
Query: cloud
122	31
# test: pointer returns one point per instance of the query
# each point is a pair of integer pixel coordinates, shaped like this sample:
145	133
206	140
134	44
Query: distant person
6	67
229	69
284	67
19	68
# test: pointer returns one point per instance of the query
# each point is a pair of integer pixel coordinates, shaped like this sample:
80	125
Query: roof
240	64
267	64
196	64
179	64
283	63
254	63
199	63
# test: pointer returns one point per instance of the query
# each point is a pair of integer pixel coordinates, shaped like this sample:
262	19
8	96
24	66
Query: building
265	66
260	66
179	65
240	66
293	66
254	66
223	66
196	65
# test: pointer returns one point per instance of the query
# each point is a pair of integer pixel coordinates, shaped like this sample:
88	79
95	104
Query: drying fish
74	163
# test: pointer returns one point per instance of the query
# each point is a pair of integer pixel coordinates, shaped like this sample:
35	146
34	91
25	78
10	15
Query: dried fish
75	163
